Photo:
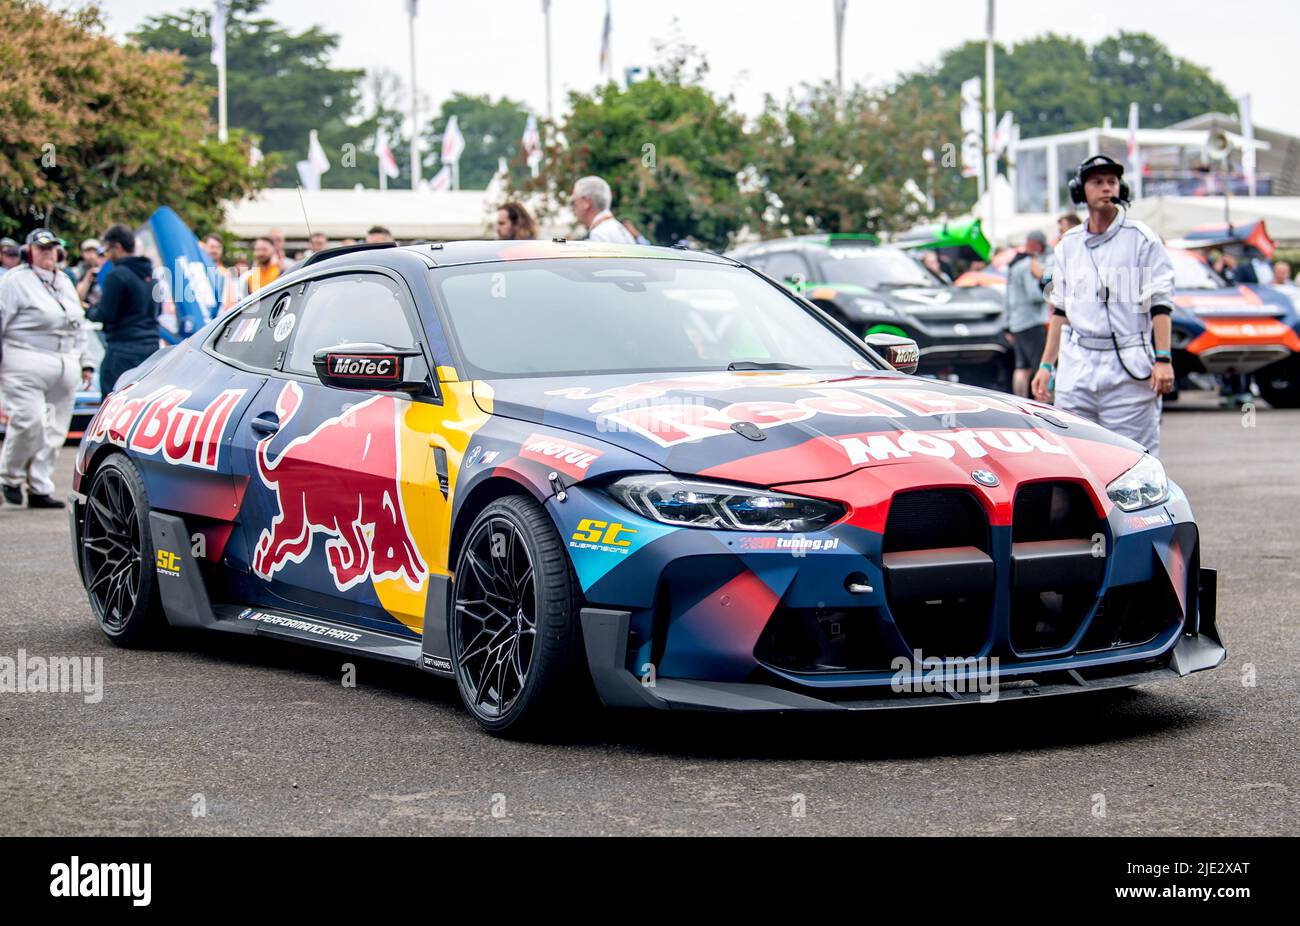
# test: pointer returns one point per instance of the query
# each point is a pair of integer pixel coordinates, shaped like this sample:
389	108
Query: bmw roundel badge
985	478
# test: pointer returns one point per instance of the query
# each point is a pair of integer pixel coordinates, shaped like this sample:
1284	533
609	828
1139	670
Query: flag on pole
1248	149
1002	134
604	43
532	144
316	163
316	154
453	143
387	162
972	155
441	180
1134	152
218	32
1132	135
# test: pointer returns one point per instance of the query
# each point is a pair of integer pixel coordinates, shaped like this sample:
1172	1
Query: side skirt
185	602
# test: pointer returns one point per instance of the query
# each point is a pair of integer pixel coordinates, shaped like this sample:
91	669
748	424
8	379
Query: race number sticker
284	327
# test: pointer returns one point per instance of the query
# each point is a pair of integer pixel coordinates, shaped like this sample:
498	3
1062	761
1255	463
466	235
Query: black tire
516	676
117	555
1279	383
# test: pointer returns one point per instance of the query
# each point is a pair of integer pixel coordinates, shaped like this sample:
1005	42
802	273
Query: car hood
816	425
944	299
1252	301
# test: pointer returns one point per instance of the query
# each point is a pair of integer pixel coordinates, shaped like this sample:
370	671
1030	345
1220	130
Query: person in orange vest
266	267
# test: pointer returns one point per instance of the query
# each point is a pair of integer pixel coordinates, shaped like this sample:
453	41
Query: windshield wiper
762	365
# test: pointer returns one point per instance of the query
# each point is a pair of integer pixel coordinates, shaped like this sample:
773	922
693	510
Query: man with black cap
1026	310
1113	286
43	358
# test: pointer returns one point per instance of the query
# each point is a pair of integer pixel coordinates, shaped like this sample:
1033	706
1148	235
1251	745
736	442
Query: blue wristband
1164	353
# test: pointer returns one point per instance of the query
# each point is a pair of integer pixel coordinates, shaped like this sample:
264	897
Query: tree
279	85
92	132
670	150
492	130
1057	84
1171	89
856	164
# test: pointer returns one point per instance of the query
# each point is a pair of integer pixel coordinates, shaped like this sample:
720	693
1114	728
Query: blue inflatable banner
184	270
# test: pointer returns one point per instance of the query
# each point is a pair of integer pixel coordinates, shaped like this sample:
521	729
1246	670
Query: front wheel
1279	383
117	554
515	643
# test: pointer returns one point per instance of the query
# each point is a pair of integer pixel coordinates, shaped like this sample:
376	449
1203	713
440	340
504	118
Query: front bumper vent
939	576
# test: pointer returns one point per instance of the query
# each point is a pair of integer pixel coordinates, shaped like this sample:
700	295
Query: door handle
264	425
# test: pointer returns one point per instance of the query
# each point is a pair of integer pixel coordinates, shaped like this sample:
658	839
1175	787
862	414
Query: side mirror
900	353
367	366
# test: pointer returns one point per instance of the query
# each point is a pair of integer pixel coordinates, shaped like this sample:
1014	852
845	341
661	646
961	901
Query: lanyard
54	292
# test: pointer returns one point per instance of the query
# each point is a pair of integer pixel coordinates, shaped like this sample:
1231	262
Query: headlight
1142	486
706	504
874	308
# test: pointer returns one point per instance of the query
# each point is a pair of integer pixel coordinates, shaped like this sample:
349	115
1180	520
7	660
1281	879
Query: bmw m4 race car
871	289
543	468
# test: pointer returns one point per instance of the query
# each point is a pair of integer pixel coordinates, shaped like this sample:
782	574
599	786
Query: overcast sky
767	46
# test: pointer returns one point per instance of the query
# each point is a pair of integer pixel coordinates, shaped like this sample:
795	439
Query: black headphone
1075	186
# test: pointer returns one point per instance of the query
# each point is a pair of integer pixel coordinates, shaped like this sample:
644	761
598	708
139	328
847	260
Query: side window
249	337
786	266
352	309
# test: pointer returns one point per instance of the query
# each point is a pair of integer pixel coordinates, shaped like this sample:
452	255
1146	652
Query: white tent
408	214
1175	216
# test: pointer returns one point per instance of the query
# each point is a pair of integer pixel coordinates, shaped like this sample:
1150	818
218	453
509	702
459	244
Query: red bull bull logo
342	480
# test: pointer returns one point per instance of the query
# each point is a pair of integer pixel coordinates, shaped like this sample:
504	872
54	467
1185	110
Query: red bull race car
1241	329
547	469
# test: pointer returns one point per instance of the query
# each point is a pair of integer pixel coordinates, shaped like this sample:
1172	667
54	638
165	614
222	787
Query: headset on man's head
41	235
1087	166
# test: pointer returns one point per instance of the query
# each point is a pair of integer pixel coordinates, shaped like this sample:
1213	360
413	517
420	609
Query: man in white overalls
1113	286
42	360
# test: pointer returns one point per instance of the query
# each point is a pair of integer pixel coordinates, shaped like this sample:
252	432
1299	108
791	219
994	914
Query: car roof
805	243
457	253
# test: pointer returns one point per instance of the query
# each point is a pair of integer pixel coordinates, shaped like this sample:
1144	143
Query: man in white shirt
590	203
1113	286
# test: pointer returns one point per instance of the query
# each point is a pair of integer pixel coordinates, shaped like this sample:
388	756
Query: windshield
876	268
579	316
1190	273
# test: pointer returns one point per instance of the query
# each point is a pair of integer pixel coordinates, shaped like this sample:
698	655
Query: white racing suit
1108	286
42	352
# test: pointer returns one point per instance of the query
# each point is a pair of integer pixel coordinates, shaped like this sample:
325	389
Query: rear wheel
515	643
117	554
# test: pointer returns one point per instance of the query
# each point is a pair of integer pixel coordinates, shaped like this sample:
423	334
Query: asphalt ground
217	734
